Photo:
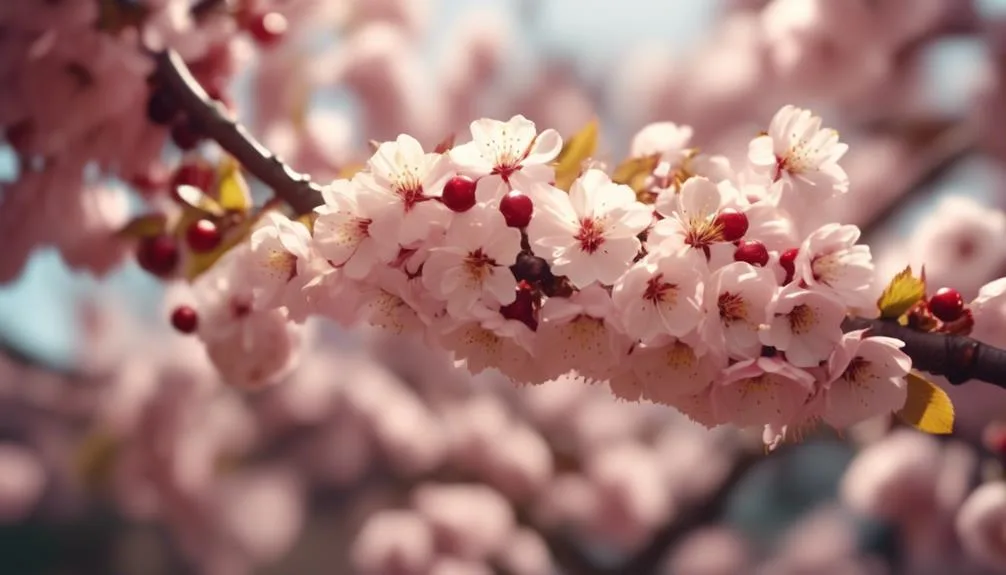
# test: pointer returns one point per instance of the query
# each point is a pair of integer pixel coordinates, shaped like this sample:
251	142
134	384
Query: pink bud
980	524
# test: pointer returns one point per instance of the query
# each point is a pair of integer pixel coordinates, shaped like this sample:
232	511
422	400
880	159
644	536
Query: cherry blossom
737	297
589	234
473	264
661	295
761	391
805	324
342	231
278	246
830	259
690	219
405	179
507	155
867	378
798	150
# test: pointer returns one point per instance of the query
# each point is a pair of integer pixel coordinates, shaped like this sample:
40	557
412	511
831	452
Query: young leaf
928	408
904	291
94	458
634	171
233	192
350	170
145	226
199	200
575	151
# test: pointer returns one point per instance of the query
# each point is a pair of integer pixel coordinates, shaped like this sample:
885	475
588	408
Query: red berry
185	136
158	255
459	194
733	224
185	319
194	174
787	260
947	304
203	236
522	308
162	108
268	28
517	209
752	252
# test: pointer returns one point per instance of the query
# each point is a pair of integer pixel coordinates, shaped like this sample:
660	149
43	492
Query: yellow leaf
308	221
199	200
145	226
197	263
350	170
904	291
928	408
233	192
633	172
575	151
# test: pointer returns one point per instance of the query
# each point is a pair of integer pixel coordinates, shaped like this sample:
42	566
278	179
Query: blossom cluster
697	290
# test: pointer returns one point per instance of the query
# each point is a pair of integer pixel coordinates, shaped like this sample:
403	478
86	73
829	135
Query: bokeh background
786	505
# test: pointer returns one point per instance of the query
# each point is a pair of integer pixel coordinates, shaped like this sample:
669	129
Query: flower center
660	292
478	266
590	235
702	233
857	370
802	319
282	263
732	308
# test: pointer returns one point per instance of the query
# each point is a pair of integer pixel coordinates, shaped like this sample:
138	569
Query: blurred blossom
710	551
22	481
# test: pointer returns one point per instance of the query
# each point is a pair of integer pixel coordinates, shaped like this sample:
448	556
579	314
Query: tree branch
214	121
955	357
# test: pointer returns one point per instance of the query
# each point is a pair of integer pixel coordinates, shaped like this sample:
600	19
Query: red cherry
203	236
752	252
268	28
947	304
522	308
787	260
459	194
194	174
185	319
517	209
733	224
185	136
158	255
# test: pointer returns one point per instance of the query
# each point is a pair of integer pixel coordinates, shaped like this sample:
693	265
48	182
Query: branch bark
955	357
214	121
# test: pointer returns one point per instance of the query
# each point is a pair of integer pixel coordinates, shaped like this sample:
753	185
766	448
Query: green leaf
927	408
904	291
233	192
145	226
575	151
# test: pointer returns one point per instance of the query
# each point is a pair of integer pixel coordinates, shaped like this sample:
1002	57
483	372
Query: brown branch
214	121
955	357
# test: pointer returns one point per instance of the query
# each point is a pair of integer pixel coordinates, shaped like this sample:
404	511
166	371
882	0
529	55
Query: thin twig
213	120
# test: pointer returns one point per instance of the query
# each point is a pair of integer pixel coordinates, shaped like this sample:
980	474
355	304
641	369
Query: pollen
281	264
659	292
802	318
732	308
857	370
702	233
478	266
590	235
